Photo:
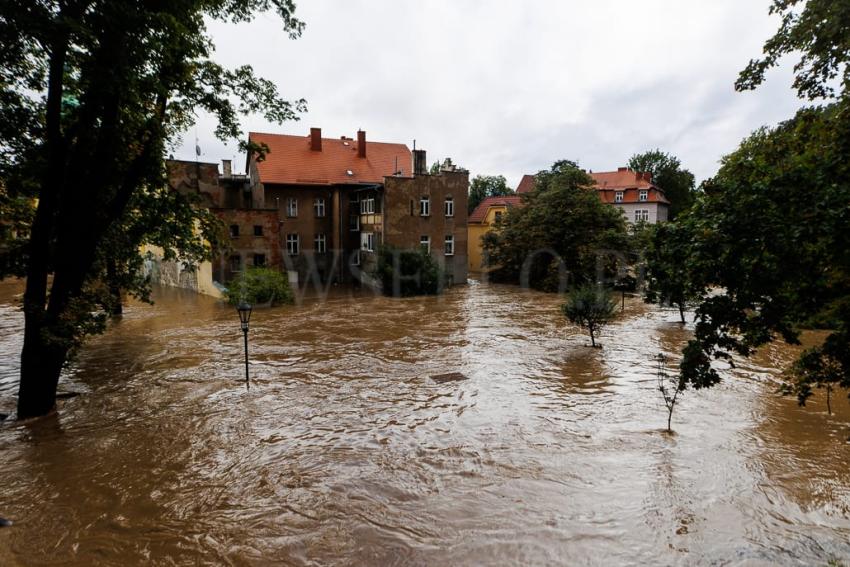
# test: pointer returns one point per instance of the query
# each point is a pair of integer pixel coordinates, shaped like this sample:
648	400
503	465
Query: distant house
632	192
481	221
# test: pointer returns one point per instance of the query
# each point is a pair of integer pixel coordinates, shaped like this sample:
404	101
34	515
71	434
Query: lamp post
244	310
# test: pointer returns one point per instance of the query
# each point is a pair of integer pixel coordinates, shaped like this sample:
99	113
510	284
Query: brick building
319	208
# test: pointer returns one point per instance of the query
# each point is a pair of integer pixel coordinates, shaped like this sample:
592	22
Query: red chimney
361	143
647	176
316	139
622	169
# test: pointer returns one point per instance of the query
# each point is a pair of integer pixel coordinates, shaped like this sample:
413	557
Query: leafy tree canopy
92	92
405	273
772	232
562	231
819	32
483	186
258	285
667	173
591	307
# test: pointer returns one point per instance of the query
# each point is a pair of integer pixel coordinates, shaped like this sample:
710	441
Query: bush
259	286
591	307
405	273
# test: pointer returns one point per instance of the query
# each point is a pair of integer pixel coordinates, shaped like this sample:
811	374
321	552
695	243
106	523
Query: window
643	195
354	222
641	215
450	207
425	243
498	216
259	259
450	245
258	230
618	197
355	259
367	241
235	263
411	207
293	244
234	231
292	207
319	207
425	207
320	244
367	206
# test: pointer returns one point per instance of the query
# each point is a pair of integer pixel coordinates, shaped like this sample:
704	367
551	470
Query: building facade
485	216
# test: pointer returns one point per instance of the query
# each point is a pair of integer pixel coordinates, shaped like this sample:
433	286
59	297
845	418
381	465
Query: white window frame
319	207
425	206
450	207
425	242
292	207
293	244
320	243
356	226
618	196
450	245
367	241
643	195
367	206
641	215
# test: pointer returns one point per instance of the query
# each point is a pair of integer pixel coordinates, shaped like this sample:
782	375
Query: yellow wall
476	231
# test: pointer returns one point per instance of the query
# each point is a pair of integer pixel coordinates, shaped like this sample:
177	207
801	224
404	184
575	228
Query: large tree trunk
41	364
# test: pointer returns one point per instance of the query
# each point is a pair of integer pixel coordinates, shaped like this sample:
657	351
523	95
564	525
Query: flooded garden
346	451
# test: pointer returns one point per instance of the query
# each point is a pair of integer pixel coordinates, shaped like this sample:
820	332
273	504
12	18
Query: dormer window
618	197
643	195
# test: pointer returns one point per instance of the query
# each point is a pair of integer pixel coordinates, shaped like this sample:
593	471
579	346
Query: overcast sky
509	87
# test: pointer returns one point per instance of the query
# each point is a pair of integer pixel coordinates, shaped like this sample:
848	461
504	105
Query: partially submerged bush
260	286
591	307
405	273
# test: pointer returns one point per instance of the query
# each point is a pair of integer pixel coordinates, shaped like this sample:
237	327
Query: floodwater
345	451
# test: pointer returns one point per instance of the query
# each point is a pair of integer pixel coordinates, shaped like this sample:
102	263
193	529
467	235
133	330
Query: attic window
349	173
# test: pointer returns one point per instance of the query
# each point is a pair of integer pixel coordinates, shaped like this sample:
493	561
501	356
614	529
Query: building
319	208
631	192
482	219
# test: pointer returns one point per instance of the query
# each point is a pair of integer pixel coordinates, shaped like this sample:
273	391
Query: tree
817	30
405	273
771	233
670	387
667	173
562	232
91	94
591	307
483	186
259	285
672	275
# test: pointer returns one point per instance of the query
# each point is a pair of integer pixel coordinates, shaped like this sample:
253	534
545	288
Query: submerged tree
591	307
670	387
673	275
91	94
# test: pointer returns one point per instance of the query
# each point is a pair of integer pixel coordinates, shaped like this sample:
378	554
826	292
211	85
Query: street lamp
244	310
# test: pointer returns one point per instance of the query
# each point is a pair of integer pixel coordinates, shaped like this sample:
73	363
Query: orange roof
526	185
628	182
480	212
290	160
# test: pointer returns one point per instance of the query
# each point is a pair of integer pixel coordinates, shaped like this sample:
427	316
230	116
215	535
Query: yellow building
481	221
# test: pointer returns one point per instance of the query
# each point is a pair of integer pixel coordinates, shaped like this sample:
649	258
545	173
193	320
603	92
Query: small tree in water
590	307
670	388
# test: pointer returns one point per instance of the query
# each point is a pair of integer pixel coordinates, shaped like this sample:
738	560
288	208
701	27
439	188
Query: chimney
316	139
623	169
226	169
361	143
420	164
647	176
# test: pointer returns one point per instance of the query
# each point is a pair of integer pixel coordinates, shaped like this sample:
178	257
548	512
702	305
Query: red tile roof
526	185
629	182
291	161
480	212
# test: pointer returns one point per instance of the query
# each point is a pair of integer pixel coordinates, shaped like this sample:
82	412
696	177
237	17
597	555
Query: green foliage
259	286
667	173
673	276
405	273
591	307
92	93
771	234
483	186
563	232
435	168
817	31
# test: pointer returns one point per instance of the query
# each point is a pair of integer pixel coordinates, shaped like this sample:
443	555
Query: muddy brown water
345	452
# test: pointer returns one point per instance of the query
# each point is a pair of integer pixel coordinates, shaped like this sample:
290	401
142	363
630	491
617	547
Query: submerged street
345	451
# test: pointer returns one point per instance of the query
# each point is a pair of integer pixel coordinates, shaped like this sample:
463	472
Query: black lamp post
244	310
